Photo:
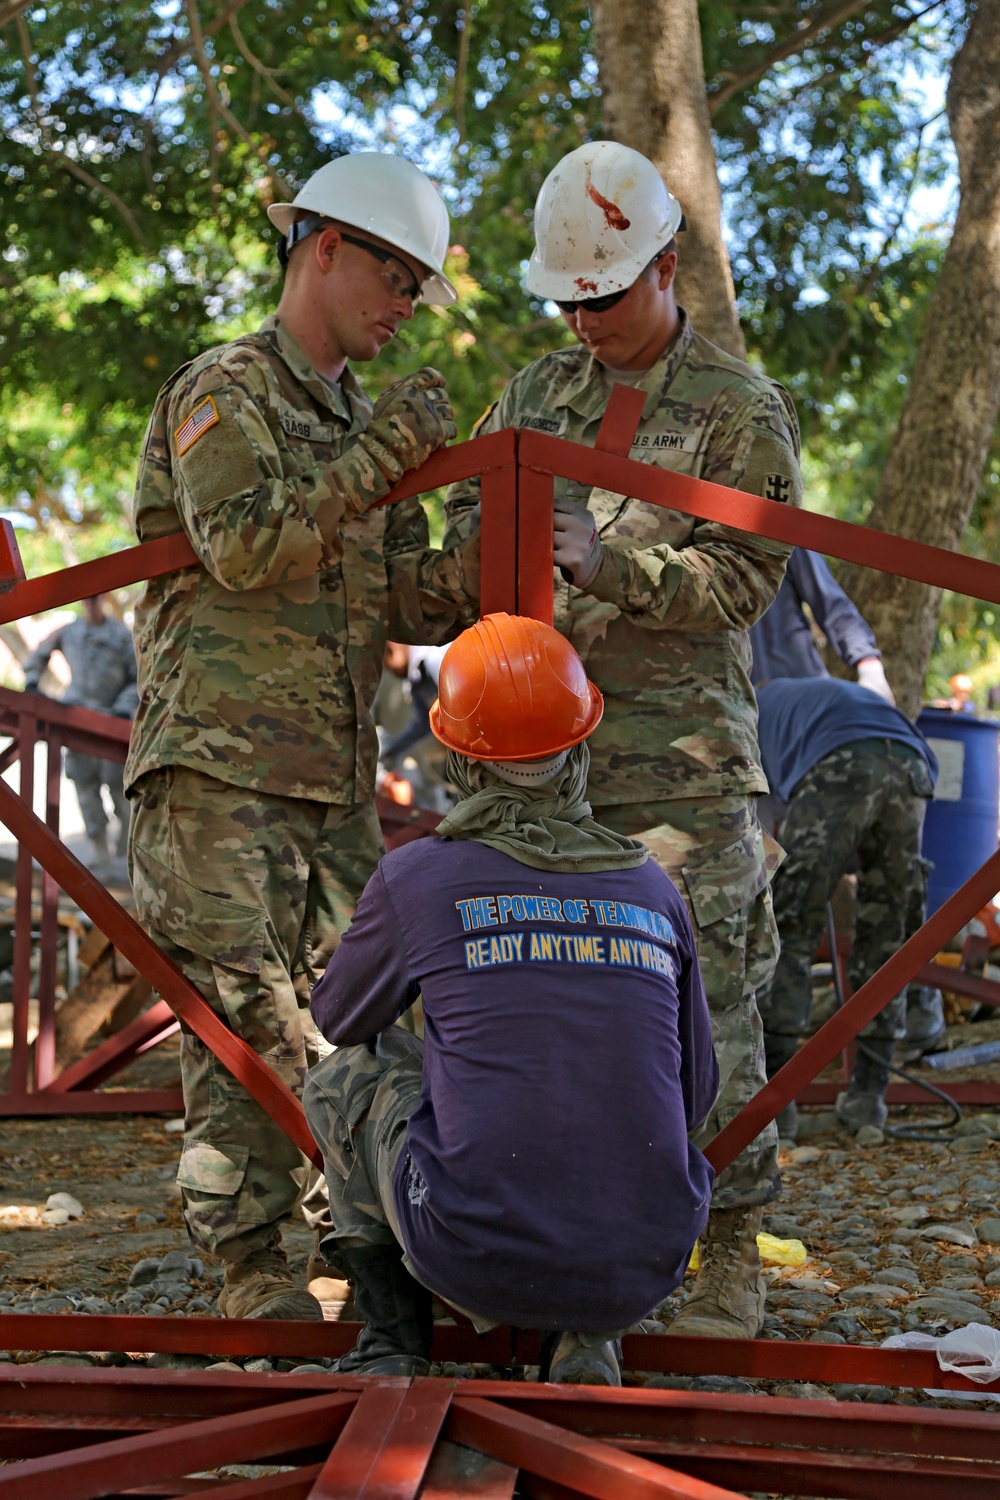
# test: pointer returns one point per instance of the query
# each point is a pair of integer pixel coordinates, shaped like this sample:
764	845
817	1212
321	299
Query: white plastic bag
972	1351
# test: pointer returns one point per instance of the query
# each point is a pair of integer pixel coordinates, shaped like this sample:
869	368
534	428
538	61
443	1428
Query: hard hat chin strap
297	232
527	772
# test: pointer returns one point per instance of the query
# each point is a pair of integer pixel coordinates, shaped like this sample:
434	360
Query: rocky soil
900	1235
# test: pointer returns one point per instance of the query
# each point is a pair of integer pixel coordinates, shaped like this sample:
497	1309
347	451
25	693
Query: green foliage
141	146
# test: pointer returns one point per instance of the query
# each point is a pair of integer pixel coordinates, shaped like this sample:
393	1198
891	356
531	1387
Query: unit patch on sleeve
204	416
777	487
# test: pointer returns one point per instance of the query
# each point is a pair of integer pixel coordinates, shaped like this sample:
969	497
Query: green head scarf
548	827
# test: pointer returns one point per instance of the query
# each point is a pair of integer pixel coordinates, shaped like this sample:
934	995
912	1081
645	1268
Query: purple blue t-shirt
548	1180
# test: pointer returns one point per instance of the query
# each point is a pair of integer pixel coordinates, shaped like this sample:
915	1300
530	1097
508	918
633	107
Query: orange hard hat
961	683
513	689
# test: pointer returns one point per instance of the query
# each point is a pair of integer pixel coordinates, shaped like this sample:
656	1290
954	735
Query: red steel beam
132	565
45	1042
761	1359
882	550
972	986
146	1031
86	729
34	838
245	1437
156	1396
584	1466
620	421
696	1417
846	1476
499	519
170	554
845	1024
534	594
24	890
384	1450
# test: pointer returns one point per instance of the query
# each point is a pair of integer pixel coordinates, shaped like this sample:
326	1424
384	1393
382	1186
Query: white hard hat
389	197
600	217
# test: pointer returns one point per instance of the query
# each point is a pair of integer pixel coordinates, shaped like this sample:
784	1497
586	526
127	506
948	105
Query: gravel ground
900	1235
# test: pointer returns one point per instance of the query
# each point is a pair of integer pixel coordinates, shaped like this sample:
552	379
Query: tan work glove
412	418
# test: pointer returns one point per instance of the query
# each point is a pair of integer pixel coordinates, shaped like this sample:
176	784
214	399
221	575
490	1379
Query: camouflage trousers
88	775
864	804
248	894
721	862
358	1101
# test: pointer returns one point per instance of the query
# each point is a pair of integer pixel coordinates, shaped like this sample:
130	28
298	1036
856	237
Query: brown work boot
727	1301
261	1287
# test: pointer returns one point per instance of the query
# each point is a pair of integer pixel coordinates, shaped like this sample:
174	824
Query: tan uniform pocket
205	1168
724	882
226	938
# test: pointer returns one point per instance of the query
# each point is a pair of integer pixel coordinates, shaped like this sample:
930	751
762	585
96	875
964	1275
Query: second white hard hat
601	215
389	197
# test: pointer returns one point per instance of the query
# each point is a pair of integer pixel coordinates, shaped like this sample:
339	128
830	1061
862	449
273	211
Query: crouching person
529	1161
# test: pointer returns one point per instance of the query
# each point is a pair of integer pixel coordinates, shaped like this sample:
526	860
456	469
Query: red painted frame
89	1433
396	1428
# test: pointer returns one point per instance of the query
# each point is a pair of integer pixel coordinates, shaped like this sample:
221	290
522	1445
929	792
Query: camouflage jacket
260	666
101	662
662	626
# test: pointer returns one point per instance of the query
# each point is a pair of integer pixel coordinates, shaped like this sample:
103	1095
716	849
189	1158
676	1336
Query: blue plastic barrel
960	830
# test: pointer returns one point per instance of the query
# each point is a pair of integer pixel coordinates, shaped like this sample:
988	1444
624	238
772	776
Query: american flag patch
201	419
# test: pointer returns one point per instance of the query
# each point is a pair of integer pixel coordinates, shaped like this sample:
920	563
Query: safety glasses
397	276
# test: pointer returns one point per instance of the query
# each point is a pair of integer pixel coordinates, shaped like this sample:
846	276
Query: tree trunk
653	90
930	481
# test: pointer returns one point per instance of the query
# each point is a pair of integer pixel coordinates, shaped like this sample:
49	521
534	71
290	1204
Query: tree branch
262	69
828	16
181	44
871	275
278	185
57	154
11	9
462	68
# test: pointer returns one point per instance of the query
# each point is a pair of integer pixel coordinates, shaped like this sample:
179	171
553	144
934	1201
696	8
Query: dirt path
899	1236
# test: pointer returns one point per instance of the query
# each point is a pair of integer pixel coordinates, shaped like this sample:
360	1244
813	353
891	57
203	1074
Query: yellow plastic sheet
773	1252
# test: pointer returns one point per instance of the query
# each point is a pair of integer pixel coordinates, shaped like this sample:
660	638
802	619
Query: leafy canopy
142	145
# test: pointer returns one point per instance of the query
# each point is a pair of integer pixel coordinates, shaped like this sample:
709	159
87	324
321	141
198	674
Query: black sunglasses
396	274
594	304
601	304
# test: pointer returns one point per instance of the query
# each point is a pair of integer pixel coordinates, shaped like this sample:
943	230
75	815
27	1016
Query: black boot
399	1324
864	1102
567	1361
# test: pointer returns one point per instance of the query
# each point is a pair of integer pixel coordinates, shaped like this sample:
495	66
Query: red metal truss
517	471
140	1432
757	1359
90	1432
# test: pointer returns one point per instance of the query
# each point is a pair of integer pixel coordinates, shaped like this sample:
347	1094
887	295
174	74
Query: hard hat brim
440	733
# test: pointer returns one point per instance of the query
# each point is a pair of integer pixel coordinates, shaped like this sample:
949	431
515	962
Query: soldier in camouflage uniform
856	775
253	759
101	660
658	605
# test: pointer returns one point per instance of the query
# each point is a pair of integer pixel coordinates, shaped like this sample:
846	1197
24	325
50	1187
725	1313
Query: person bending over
529	1161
